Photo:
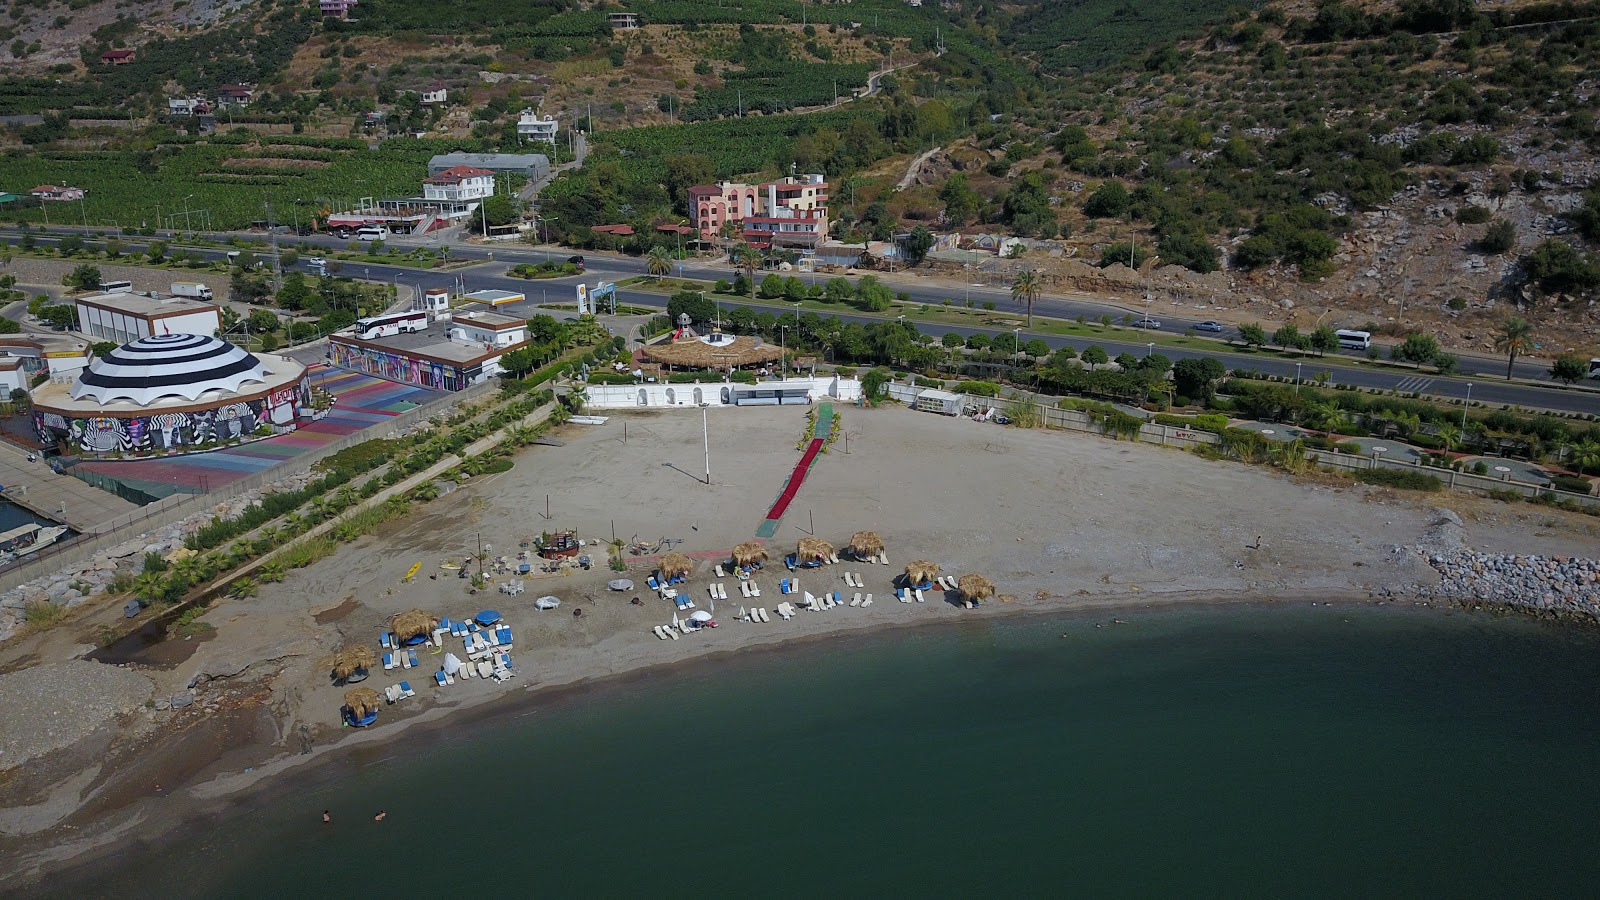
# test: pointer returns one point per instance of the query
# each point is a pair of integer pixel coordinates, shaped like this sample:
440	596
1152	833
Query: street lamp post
1016	341
1297	373
1149	349
783	355
705	430
1465	405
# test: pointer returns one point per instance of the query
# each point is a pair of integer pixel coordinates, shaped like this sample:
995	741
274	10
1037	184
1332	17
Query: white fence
714	393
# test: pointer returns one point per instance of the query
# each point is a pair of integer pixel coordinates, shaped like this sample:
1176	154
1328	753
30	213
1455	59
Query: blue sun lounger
439	677
413	655
654	584
387	641
388	661
783	586
505	635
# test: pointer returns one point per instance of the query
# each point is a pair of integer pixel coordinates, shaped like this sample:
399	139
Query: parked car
1208	326
1147	322
577	261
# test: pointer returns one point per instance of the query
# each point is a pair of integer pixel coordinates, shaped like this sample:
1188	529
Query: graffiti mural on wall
173	431
409	369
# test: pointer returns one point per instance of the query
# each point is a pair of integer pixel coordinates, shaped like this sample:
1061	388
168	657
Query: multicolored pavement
361	400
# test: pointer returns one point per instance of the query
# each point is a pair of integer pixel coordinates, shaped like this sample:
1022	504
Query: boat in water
26	539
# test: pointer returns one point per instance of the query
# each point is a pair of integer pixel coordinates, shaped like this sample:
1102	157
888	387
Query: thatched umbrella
351	660
813	548
360	701
749	553
865	544
674	564
409	624
975	587
921	571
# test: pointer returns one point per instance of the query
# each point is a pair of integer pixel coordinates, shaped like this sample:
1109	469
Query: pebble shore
1546	583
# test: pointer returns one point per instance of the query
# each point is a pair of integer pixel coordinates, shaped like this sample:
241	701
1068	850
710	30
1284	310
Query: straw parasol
866	543
409	624
921	571
351	659
675	564
813	548
749	552
361	701
975	587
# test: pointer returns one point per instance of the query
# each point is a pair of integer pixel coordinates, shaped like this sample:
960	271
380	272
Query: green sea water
1239	752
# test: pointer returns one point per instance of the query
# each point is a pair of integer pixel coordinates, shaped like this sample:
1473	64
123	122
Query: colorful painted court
361	400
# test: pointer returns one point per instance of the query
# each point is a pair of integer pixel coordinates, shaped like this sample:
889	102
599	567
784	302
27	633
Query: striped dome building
170	393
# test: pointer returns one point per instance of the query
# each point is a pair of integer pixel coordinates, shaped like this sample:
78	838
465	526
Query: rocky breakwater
1557	584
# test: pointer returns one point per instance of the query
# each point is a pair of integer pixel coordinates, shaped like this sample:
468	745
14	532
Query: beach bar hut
974	588
414	627
674	567
360	707
812	552
920	574
865	545
351	663
749	555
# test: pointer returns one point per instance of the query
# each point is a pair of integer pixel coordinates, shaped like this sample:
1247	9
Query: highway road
1484	381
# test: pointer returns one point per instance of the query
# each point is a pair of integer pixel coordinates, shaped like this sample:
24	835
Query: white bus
116	287
1354	340
394	323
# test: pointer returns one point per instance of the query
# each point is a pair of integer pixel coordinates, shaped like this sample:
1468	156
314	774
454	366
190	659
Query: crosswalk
1415	384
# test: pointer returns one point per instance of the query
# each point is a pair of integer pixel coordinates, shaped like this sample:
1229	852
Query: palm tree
658	262
1515	338
747	262
1026	290
1585	457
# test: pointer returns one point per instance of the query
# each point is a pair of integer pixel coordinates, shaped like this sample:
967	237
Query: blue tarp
487	617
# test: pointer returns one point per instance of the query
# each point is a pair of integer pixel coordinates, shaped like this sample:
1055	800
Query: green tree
873	294
952	340
262	321
658	262
1561	268
1253	335
1324	339
772	286
60	315
1499	238
1570	368
794	290
1416	349
838	290
294	294
1109	201
84	278
1196	377
917	245
979	341
1036	348
156	251
1514	339
71	245
1095	356
1025	290
1287	337
699	309
961	202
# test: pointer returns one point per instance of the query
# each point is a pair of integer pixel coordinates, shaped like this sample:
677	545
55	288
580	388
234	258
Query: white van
372	233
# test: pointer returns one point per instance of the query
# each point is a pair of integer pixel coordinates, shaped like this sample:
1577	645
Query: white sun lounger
711	590
867	601
755	589
671	632
720	573
919	595
744	588
856	600
722	592
883	557
764	616
833	558
484	669
658	634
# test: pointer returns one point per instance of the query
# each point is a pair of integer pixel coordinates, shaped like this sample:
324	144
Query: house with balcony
531	127
791	211
435	94
337	9
235	95
459	184
624	21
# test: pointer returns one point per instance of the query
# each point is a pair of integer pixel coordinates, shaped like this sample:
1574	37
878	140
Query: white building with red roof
459	183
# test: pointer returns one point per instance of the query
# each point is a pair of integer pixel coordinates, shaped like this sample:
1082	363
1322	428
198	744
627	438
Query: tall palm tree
748	260
658	262
1515	338
1026	290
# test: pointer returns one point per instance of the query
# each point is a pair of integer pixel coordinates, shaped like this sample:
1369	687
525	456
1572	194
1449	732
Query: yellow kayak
413	572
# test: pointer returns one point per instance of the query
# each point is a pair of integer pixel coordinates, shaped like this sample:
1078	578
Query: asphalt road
1483	379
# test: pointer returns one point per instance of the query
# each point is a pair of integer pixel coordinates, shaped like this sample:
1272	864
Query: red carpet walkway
819	434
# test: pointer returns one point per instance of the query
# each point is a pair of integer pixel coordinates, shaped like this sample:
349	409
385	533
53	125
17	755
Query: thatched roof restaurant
714	351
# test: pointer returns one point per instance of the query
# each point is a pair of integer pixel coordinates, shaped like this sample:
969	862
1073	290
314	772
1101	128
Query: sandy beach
1060	522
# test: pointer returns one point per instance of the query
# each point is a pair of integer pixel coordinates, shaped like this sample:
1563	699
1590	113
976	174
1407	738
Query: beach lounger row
854	579
789	586
398	692
786	610
749	589
718	591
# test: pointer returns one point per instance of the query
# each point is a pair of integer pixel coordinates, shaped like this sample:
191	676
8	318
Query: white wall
104	325
715	393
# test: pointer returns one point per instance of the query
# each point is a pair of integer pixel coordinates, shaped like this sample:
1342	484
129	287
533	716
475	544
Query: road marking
1414	384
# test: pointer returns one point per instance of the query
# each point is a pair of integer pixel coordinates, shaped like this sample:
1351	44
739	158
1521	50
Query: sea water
1264	751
